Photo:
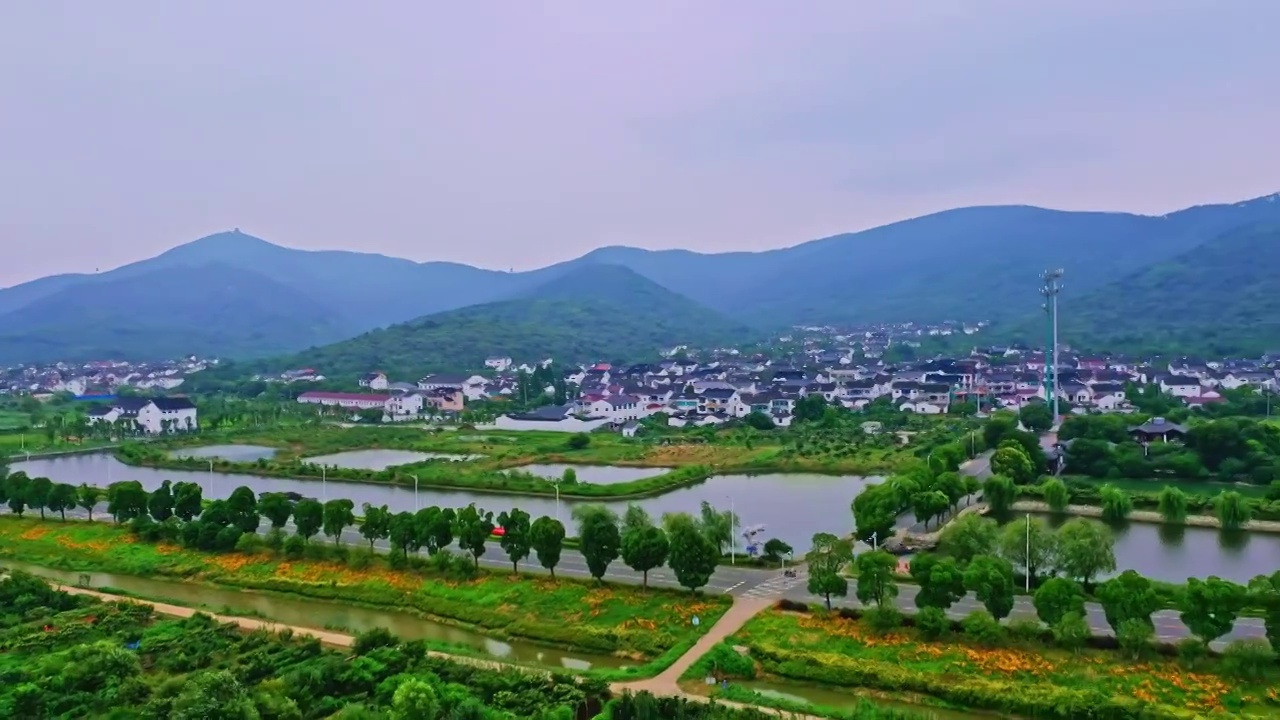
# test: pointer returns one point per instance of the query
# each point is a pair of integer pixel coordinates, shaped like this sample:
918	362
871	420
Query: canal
792	507
324	615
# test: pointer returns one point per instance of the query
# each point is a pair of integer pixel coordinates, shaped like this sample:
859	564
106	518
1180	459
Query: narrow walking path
667	682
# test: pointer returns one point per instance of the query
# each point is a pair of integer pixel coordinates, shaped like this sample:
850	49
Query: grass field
837	651
12	420
600	618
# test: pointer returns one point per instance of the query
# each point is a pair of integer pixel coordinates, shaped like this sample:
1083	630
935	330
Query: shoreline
402	479
1143	516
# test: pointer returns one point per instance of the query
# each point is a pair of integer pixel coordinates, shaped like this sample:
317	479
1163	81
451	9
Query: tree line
177	512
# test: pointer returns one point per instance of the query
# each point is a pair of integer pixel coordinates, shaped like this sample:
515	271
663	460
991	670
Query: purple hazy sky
517	134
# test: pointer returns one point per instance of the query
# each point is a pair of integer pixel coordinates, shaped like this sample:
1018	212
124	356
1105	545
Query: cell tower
1052	286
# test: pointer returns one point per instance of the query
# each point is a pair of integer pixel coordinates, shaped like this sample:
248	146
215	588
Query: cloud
525	133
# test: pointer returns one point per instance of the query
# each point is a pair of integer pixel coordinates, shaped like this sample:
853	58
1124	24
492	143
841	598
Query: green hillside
212	310
1221	298
590	313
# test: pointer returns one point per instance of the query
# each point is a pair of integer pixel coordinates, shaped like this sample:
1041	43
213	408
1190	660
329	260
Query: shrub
294	547
932	623
360	559
249	543
1190	652
1247	658
982	628
884	619
1071	631
722	658
372	640
1025	630
792	605
275	539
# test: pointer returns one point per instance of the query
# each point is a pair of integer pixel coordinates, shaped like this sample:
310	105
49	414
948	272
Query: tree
1134	636
990	579
213	694
126	500
377	523
338	515
1172	504
1031	545
1264	591
38	491
774	549
1057	598
968	536
579	441
1116	503
402	533
635	517
809	408
827	560
474	527
276	508
1011	462
940	579
1126	597
188	500
643	549
691	557
999	492
759	421
436	528
242	505
1209	607
928	505
546	535
1036	417
972	486
87	498
951	485
308	518
1056	495
1232	509
1086	549
415	699
160	503
515	540
62	499
718	525
17	487
599	536
875	577
875	510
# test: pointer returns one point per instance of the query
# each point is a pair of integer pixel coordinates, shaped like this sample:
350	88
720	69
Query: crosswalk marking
776	586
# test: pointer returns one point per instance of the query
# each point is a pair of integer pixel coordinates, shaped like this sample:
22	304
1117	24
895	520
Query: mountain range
238	296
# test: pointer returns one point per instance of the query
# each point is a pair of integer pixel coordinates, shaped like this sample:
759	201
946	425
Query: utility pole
1052	286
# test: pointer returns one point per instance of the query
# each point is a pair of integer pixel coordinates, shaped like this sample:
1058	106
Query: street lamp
210	488
324	484
415	493
733	534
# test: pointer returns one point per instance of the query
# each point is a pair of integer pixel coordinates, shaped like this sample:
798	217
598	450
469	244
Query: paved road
757	584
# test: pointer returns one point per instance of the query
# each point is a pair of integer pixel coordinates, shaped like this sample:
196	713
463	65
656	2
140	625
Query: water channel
597	474
320	615
792	507
843	700
379	459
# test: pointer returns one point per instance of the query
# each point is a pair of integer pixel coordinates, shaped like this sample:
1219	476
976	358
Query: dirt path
666	683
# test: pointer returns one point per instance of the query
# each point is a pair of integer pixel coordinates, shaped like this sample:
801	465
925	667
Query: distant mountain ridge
964	264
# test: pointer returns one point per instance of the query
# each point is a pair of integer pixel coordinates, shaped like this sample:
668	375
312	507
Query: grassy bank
497	457
582	615
1022	677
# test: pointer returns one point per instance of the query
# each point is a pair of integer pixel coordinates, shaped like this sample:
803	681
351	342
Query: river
792	507
324	615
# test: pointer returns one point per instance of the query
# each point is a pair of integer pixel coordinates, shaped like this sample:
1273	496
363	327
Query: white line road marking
735	587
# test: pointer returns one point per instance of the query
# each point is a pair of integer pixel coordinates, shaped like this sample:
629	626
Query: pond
379	459
232	453
597	474
792	507
845	700
1174	553
321	615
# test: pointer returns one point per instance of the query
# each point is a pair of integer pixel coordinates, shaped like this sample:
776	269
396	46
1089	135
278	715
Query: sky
519	134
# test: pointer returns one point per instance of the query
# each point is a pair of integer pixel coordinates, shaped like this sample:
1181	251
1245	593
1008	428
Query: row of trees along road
1208	608
691	546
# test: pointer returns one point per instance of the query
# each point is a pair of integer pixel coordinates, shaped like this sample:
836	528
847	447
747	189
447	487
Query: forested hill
591	313
1221	298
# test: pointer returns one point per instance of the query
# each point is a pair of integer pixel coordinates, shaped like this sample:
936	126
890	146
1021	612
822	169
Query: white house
151	415
374	381
498	363
1180	386
398	408
167	415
